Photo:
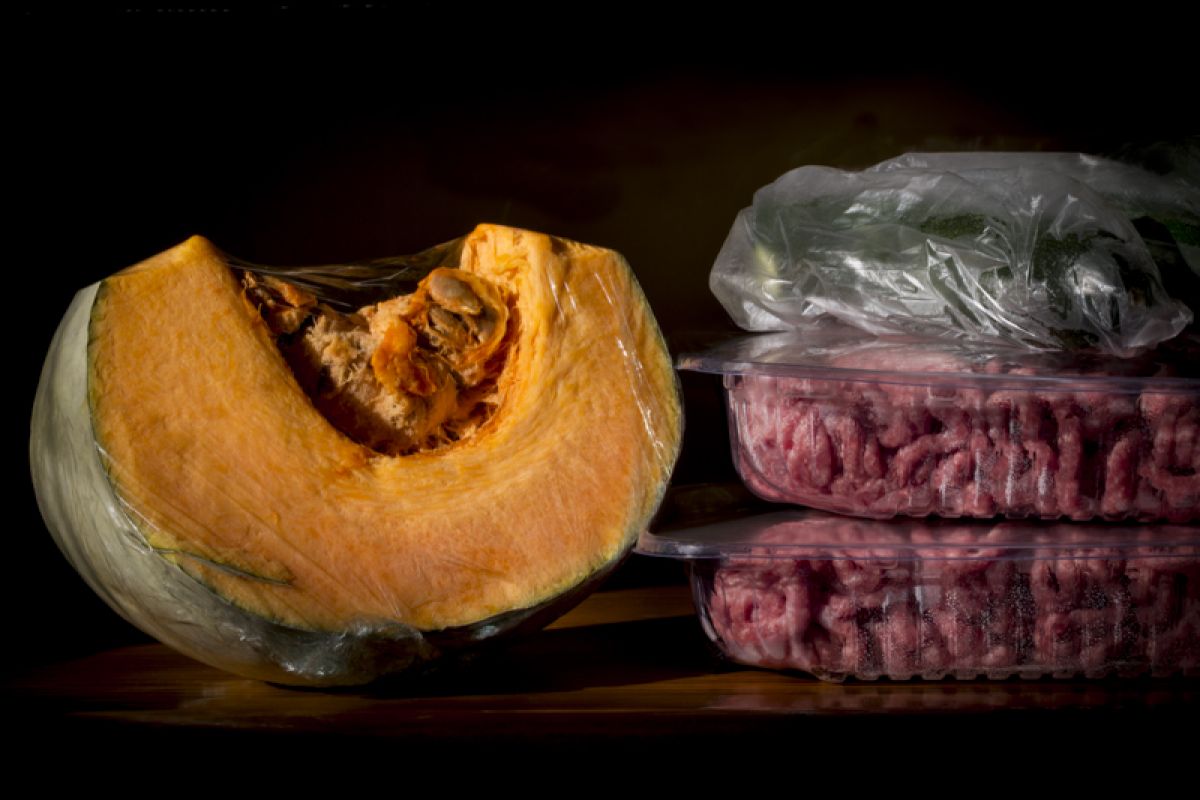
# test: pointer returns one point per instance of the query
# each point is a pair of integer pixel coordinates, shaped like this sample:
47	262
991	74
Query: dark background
355	131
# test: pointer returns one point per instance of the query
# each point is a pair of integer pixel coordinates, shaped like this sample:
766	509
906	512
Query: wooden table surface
625	670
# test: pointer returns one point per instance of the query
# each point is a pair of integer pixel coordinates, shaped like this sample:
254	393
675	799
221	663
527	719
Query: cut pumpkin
310	496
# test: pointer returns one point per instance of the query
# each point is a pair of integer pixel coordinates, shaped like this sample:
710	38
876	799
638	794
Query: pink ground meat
879	449
1046	611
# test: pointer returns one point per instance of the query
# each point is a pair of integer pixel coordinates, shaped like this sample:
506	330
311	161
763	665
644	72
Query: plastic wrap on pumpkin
321	476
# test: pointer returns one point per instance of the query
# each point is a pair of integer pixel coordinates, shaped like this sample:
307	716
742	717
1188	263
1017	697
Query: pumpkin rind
192	482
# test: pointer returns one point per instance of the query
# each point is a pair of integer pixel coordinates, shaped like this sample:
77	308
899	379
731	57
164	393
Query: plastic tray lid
840	353
808	534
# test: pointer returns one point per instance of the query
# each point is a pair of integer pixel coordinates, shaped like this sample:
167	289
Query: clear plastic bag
1036	249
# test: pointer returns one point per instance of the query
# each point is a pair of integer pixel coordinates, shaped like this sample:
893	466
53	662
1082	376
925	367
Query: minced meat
966	448
1048	609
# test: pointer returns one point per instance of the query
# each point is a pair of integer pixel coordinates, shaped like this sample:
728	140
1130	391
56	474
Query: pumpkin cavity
411	374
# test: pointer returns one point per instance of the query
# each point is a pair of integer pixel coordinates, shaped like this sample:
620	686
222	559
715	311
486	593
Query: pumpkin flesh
230	471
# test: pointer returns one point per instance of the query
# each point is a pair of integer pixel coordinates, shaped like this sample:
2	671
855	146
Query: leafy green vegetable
954	227
1184	232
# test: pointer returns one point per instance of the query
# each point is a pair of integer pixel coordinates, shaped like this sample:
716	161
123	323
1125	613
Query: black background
351	131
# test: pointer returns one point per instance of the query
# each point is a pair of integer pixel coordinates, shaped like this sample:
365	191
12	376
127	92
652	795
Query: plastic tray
840	597
877	427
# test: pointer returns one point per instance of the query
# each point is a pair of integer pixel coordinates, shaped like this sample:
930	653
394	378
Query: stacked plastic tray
996	512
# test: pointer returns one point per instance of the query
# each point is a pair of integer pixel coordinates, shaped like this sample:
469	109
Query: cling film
224	486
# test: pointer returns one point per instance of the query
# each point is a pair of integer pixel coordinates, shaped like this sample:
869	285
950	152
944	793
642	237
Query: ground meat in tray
918	429
839	597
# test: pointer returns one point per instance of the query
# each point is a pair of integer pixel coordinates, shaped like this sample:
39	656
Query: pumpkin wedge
314	496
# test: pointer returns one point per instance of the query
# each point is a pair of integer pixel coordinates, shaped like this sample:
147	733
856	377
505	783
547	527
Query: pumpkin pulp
562	430
410	374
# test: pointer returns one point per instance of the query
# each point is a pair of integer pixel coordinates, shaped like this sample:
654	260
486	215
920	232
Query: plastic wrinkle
240	573
637	374
1035	249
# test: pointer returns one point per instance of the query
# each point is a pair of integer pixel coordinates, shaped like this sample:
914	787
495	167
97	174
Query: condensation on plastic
839	597
877	427
101	535
1035	249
